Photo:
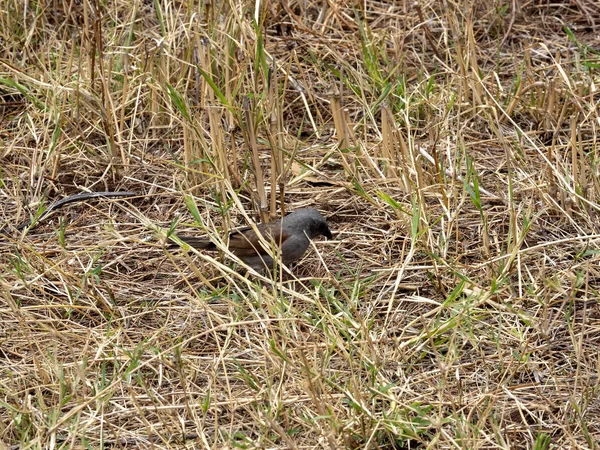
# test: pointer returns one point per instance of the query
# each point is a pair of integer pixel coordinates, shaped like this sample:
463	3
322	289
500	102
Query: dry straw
452	147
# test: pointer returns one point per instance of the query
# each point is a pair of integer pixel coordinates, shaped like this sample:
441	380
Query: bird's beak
327	234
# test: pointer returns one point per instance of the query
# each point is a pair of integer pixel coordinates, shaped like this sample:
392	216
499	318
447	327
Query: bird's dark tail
196	242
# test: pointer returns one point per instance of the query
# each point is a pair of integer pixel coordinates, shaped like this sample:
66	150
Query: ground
452	147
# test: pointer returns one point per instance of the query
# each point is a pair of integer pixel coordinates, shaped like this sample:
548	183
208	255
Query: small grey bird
292	234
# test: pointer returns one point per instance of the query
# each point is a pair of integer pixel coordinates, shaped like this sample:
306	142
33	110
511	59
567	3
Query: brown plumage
292	234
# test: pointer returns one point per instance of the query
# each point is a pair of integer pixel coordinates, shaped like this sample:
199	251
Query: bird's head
312	221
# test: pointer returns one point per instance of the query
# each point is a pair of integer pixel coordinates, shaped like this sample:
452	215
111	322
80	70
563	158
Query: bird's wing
245	242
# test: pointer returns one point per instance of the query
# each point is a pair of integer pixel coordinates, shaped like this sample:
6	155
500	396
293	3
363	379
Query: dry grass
453	148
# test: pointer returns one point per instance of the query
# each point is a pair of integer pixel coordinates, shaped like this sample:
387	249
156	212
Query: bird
292	234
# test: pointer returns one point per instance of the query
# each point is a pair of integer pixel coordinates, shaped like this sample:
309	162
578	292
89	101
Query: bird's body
292	234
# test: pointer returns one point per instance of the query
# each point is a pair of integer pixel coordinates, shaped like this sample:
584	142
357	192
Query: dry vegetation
452	147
